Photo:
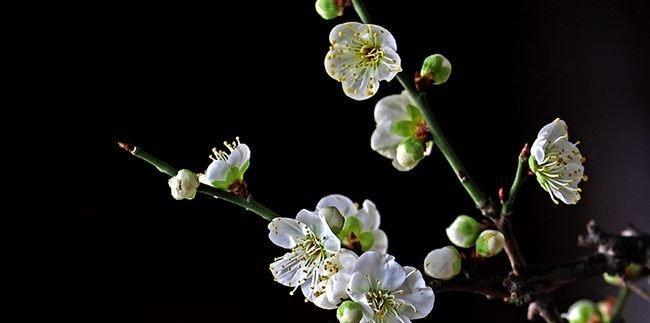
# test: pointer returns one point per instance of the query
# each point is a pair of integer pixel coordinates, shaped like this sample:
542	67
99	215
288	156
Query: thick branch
491	289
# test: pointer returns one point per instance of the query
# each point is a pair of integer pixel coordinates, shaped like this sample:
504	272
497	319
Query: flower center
223	155
370	54
422	131
383	302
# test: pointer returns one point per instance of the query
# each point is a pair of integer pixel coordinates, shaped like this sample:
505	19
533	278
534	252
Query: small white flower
184	185
443	263
402	133
361	227
314	249
227	169
360	56
557	163
388	292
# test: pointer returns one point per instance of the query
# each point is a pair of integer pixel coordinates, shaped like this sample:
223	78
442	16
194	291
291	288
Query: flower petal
319	227
358	286
389	65
239	156
381	269
392	108
288	271
340	202
401	168
417	294
284	232
554	130
217	171
384	141
369	216
380	242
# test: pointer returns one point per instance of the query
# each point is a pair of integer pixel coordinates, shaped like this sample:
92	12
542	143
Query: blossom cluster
333	264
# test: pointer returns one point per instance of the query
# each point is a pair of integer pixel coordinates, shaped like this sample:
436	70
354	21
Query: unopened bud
443	263
409	153
330	9
490	243
349	312
184	185
580	312
463	231
436	68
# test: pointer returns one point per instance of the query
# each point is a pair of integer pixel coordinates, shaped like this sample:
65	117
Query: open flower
334	276
227	169
401	134
388	292
361	55
313	249
557	163
360	230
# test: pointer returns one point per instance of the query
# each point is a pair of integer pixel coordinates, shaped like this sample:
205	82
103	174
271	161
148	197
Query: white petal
401	168
348	259
336	286
389	65
384	141
343	32
288	272
358	286
369	216
340	202
537	149
362	86
284	232
239	156
418	294
381	269
392	108
554	130
321	300
217	171
384	37
380	242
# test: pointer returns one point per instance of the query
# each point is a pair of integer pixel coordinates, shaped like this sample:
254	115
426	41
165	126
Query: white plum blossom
184	185
557	163
227	169
360	230
315	255
388	292
401	133
361	55
334	277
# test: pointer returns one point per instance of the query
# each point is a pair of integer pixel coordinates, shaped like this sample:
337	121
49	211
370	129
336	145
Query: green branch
520	176
621	300
247	203
438	137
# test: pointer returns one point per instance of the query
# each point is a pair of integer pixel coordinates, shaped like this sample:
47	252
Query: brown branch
490	289
544	307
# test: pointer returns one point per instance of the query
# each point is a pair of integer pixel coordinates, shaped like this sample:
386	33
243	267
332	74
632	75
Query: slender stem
520	176
515	257
360	8
438	137
247	203
621	300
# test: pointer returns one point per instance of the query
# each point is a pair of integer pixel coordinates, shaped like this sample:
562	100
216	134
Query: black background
90	234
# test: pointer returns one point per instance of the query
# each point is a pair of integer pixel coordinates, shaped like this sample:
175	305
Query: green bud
436	68
615	280
580	312
333	218
329	9
409	153
463	231
349	312
490	243
443	263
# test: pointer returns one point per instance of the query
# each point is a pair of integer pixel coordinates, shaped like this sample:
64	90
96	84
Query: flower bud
615	280
333	218
436	68
490	243
580	312
184	185
463	231
409	153
349	312
329	9
443	263
632	272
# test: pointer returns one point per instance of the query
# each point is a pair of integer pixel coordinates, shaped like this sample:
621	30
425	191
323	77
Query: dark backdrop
90	234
